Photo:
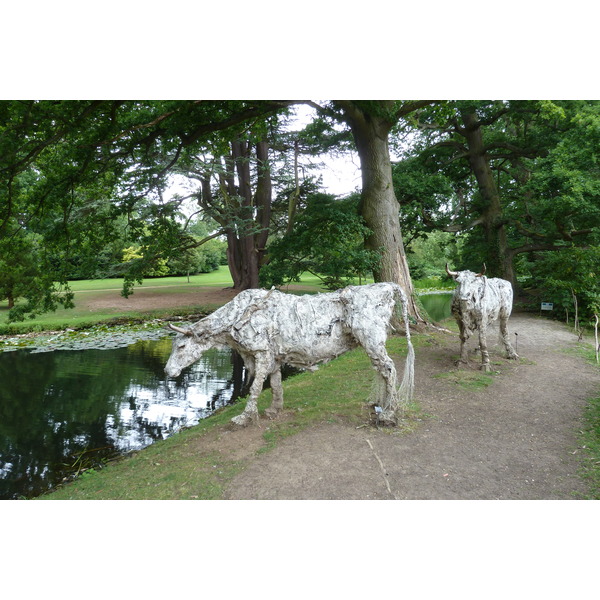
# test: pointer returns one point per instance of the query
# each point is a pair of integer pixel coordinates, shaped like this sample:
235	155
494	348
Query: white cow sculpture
270	328
477	302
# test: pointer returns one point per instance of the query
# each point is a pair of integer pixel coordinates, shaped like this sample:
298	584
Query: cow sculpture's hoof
245	419
271	412
387	418
486	368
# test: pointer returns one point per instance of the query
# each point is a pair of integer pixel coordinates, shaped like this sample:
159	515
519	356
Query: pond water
63	410
437	305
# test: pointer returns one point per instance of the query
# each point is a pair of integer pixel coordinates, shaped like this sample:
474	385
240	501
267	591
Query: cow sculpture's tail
407	386
389	399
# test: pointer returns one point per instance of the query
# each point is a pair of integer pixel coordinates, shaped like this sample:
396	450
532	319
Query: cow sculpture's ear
187	332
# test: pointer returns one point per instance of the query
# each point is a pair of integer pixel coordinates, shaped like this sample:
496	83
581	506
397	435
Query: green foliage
83	174
327	241
558	275
135	254
536	185
206	258
427	256
18	265
423	194
25	280
87	179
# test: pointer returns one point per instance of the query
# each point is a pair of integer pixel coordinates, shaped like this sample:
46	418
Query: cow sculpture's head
467	282
188	347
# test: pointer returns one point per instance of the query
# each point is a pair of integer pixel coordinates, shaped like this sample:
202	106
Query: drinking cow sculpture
478	301
270	328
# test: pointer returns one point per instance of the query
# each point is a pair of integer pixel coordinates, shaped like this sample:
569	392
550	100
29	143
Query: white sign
547	305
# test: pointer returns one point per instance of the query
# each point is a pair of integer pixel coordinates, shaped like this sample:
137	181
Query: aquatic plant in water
99	337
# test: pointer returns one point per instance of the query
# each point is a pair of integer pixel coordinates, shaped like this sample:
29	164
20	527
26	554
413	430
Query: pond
437	304
63	410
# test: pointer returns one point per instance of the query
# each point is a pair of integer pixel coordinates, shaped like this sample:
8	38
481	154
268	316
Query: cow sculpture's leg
277	391
464	333
387	394
485	355
250	414
510	352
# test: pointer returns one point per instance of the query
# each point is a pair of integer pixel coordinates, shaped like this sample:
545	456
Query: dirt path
515	439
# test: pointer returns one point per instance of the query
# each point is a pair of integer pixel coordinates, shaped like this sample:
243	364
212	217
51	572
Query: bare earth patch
148	298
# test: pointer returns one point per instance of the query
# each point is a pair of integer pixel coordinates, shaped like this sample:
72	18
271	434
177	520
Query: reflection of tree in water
54	409
239	384
57	408
51	409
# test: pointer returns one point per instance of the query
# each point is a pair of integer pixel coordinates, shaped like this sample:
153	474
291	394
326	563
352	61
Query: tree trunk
263	202
245	216
379	205
499	260
295	195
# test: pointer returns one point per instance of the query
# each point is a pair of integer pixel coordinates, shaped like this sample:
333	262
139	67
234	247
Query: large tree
75	156
523	176
371	123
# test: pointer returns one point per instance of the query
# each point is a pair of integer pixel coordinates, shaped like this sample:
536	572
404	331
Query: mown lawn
220	277
91	290
86	291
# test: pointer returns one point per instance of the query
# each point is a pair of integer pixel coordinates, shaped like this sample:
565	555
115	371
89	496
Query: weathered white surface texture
270	328
477	302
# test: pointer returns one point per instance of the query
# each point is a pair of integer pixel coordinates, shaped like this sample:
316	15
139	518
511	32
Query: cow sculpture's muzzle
180	354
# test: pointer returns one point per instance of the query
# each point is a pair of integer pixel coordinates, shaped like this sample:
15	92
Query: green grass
82	318
181	467
590	443
589	435
93	289
469	380
434	283
167	470
220	277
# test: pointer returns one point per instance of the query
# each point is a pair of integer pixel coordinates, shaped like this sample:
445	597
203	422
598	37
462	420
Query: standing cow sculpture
477	302
270	328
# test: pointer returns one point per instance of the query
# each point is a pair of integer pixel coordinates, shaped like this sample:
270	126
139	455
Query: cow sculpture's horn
451	273
180	330
482	272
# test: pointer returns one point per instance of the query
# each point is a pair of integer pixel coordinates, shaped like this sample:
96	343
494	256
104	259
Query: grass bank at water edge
184	466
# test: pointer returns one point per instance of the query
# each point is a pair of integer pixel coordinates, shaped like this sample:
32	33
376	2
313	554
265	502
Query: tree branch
197	244
412	105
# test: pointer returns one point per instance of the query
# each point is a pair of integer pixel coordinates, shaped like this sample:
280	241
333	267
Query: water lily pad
101	337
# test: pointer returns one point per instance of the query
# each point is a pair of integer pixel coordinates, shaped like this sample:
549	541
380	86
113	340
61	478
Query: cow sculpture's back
269	329
477	302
